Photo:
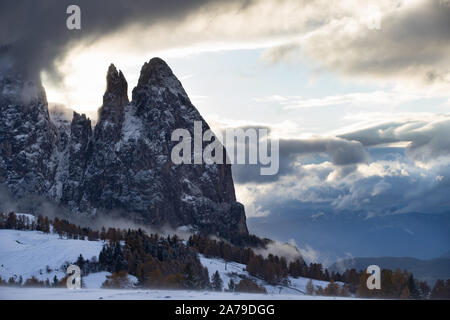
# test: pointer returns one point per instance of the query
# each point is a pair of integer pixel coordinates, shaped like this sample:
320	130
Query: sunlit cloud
357	99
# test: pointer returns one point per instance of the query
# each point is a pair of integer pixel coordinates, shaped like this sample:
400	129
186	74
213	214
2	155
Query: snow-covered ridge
236	271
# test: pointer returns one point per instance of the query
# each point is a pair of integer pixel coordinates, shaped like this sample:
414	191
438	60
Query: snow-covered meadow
33	253
12	293
44	256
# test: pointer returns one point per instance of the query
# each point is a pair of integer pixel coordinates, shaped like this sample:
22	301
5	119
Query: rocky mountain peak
116	95
156	77
115	98
116	83
125	165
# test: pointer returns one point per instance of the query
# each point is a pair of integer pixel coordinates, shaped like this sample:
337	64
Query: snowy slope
233	270
28	253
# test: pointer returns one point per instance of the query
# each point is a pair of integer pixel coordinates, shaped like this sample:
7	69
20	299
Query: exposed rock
123	164
27	136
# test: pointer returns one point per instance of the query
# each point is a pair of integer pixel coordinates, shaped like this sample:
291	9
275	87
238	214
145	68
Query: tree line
275	270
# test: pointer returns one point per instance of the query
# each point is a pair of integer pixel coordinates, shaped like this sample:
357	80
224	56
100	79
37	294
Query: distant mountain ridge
426	270
121	164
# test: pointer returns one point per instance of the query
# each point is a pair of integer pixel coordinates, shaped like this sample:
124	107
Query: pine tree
103	234
363	291
216	281
439	291
387	285
46	226
310	287
11	222
412	286
231	285
55	282
12	281
80	261
424	290
398	282
40	224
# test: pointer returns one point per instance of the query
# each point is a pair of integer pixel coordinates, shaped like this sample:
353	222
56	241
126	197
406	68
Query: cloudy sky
358	92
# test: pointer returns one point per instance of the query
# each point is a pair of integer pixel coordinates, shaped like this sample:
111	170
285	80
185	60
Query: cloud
340	152
371	39
390	181
287	250
380	40
427	139
309	254
36	35
399	166
357	99
253	210
379	193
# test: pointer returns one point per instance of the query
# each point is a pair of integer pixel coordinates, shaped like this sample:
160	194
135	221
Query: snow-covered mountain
123	163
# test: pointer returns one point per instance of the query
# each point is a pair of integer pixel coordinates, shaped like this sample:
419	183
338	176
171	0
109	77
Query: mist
38	205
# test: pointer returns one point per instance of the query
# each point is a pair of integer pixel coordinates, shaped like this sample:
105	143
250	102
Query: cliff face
27	136
124	163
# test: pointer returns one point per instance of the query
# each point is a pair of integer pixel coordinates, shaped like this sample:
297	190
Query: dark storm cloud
396	45
412	42
36	35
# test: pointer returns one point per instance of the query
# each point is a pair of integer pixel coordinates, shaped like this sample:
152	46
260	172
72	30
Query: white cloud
309	254
287	250
357	99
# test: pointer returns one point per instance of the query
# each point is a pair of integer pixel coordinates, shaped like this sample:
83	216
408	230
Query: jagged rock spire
116	95
80	128
111	114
